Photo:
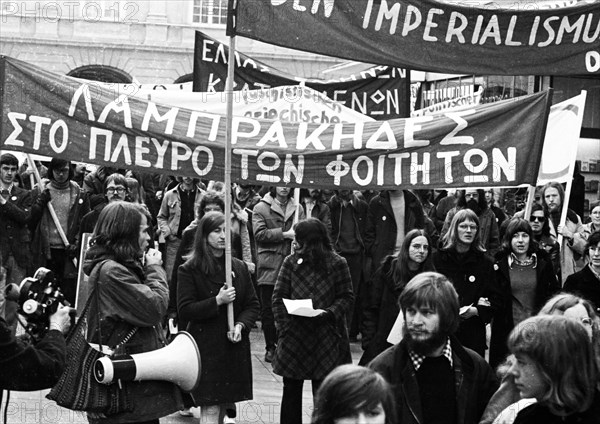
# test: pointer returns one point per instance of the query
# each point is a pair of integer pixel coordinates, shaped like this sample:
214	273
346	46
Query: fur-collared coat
309	348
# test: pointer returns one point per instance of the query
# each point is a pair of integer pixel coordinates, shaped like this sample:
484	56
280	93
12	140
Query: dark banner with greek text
495	144
381	92
522	38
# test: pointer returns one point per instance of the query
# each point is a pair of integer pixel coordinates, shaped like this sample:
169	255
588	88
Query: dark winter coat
309	348
14	232
226	366
474	379
381	311
473	277
130	296
381	231
539	413
268	223
30	367
321	212
546	285
360	210
585	284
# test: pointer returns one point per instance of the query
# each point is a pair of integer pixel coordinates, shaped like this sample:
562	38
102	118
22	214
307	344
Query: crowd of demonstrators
357	255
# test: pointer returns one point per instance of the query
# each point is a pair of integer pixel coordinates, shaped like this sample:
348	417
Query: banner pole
565	205
529	204
227	179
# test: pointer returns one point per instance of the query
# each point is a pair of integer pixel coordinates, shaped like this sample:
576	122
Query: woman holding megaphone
202	300
132	298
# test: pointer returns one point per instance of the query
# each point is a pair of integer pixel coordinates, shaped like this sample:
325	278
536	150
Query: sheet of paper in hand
301	307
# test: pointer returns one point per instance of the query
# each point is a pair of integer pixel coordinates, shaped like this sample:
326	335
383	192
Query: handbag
77	389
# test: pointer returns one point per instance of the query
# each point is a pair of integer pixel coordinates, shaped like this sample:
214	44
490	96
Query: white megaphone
179	363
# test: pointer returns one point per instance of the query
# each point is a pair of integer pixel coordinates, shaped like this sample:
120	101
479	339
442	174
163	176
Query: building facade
122	41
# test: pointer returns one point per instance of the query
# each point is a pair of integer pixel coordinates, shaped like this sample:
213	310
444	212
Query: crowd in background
352	252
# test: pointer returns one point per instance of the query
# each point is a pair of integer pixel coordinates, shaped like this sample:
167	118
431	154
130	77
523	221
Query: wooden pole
529	204
297	201
227	179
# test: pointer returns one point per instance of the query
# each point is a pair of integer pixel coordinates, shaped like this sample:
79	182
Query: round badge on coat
81	201
300	261
472	278
383	218
14	198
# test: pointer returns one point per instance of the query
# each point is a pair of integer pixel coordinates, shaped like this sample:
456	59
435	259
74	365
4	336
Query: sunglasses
537	218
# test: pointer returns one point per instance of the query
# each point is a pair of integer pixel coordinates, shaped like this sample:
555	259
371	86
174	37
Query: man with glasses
586	283
70	204
115	189
15	205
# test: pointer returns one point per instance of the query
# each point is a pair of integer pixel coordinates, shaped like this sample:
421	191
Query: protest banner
561	140
432	36
496	144
286	103
381	92
458	103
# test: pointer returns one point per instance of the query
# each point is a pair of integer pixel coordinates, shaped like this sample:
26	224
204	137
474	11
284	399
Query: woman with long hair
555	364
463	260
354	394
202	300
309	348
390	278
132	298
526	277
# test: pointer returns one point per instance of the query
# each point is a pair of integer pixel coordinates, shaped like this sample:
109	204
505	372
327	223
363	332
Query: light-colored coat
269	222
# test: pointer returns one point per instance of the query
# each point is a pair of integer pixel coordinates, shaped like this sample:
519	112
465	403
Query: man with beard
435	379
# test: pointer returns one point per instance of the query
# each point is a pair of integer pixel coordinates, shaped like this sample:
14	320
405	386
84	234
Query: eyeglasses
119	190
537	218
466	227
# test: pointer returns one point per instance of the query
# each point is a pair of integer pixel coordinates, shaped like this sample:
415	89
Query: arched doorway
101	73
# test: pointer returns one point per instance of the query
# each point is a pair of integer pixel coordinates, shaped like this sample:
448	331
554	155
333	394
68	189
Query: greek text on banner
496	144
429	35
